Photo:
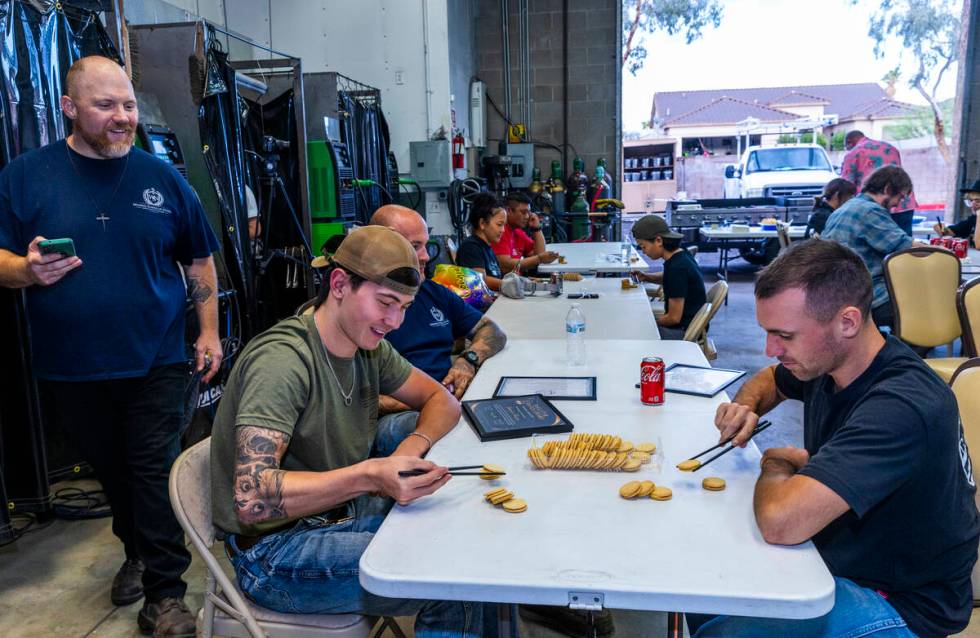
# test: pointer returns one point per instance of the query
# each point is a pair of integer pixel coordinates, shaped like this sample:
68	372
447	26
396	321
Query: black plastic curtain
39	43
365	132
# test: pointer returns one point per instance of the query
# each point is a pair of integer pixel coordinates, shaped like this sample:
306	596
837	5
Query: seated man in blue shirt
883	485
864	225
436	319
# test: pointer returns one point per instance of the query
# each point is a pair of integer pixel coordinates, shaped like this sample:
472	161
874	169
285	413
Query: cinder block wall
594	50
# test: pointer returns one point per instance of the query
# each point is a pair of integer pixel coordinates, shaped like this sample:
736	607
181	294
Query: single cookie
649	448
689	465
492	472
661	493
625	446
632	465
630	490
713	483
646	487
515	506
642	457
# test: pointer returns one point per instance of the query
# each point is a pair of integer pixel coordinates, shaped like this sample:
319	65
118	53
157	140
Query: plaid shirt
867	228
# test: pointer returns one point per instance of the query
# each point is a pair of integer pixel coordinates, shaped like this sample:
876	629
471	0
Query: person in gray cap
681	279
302	475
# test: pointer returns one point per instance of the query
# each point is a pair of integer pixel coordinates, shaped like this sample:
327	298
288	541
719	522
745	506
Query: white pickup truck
789	170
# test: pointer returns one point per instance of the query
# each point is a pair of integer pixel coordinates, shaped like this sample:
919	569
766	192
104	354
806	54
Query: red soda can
937	241
961	247
652	381
948	242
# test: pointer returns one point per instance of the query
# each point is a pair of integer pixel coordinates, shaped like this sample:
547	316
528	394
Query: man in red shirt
517	246
865	156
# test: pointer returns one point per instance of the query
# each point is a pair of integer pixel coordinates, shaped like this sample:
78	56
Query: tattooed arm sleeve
258	479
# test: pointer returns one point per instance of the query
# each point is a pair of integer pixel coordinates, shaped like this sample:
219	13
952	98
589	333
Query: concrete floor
55	581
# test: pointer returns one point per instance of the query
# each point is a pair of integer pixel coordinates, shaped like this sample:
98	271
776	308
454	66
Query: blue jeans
312	568
857	612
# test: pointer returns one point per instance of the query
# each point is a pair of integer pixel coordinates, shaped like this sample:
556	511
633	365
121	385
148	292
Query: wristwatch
472	358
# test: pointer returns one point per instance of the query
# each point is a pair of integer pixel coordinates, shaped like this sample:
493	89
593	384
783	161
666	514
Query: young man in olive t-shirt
301	476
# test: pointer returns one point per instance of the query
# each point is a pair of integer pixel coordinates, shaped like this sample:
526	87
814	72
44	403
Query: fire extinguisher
458	157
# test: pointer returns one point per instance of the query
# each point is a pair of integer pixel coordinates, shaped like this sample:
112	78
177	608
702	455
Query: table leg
675	624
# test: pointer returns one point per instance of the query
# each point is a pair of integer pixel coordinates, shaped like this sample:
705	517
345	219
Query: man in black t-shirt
884	487
681	279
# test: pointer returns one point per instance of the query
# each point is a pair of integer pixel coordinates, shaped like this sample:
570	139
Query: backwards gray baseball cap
653	226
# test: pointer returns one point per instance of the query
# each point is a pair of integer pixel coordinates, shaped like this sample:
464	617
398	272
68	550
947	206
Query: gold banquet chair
968	307
966	387
226	611
697	330
922	284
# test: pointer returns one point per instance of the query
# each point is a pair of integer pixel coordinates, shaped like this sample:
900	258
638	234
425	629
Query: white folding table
725	236
604	257
615	314
578	542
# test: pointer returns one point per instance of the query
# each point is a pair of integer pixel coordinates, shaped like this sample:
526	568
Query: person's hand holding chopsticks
736	422
387	482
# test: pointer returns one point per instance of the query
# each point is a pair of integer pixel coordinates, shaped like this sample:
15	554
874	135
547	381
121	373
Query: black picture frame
720	387
590	397
482	414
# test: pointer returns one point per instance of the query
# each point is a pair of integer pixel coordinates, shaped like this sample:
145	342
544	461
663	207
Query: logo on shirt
965	459
440	318
152	197
153	202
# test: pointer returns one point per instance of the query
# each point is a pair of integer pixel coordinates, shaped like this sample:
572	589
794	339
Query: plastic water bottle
575	335
624	253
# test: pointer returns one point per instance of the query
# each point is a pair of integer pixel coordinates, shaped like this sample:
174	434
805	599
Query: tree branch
633	27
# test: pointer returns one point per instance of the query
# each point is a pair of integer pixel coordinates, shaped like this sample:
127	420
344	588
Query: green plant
837	141
807	138
786	138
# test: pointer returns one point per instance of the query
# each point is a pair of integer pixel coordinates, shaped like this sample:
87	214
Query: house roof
725	110
847	101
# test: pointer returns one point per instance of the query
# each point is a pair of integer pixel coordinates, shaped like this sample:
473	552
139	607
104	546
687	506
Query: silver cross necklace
349	395
102	216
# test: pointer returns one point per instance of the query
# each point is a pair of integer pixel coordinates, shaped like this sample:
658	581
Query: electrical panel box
522	163
429	163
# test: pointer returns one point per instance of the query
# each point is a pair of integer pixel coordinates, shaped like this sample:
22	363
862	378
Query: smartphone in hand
65	246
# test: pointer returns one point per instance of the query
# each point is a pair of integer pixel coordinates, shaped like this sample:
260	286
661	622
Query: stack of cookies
504	498
581	451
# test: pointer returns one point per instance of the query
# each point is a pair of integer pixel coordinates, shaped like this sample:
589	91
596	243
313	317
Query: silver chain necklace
349	395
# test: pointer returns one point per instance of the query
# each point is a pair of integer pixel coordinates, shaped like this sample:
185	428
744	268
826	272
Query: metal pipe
505	33
564	85
425	52
526	62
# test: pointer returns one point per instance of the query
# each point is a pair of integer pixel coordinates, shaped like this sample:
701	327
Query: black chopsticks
454	471
762	425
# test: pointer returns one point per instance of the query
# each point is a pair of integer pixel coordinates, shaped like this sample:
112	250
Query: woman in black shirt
488	216
835	193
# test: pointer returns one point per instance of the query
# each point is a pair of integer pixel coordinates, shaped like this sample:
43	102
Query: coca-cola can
961	247
937	241
948	242
652	381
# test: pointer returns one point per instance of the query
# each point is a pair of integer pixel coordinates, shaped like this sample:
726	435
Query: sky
764	43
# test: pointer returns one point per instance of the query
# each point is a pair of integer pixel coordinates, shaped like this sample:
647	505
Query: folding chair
226	612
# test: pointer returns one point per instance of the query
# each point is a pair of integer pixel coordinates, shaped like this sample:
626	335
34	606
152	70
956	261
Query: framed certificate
514	417
554	388
697	380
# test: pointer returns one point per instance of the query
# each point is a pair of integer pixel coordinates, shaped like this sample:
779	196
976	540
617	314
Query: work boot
127	586
569	622
167	618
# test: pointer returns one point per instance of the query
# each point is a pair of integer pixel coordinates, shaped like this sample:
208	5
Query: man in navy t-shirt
884	486
107	325
436	319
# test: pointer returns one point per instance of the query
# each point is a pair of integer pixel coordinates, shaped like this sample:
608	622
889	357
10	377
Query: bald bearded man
107	325
436	319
